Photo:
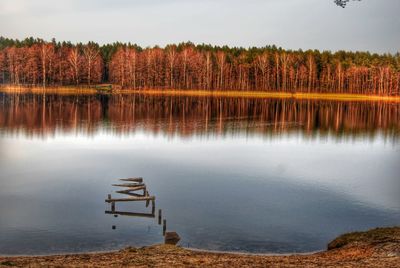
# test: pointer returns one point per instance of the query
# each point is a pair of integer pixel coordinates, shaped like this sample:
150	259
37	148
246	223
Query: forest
186	66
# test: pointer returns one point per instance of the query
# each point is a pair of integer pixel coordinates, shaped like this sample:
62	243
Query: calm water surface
229	174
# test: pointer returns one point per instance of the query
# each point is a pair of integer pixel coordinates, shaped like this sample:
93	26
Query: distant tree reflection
32	115
343	3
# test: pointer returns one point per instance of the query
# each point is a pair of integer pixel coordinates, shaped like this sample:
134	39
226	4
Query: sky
371	25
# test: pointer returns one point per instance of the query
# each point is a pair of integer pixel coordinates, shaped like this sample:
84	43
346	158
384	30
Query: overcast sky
372	25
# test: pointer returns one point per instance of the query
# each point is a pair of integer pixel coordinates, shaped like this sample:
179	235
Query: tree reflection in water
188	116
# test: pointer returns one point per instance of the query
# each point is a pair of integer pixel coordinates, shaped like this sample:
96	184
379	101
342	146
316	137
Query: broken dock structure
137	192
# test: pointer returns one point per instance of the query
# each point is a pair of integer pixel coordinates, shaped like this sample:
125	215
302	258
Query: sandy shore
375	248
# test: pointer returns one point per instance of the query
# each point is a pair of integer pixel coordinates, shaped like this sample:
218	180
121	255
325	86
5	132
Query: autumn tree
33	62
92	63
75	63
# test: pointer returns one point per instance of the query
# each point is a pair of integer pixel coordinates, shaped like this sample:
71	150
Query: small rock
172	238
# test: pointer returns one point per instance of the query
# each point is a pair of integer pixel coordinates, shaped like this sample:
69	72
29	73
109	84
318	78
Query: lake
231	174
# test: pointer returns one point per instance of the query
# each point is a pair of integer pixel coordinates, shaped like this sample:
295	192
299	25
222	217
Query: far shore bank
375	248
205	93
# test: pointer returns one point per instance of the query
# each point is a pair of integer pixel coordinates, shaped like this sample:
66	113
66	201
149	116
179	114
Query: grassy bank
206	93
49	90
375	248
281	95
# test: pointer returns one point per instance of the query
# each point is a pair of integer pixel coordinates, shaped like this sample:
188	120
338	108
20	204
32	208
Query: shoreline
206	93
378	247
252	254
198	250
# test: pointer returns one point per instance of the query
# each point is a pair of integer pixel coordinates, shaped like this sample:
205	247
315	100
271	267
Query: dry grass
206	93
280	95
49	90
375	236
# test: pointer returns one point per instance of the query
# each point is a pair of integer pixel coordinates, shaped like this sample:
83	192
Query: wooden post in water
164	228
146	193
153	207
112	203
159	217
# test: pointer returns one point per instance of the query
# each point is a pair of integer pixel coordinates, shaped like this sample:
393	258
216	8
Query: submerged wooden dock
136	190
132	186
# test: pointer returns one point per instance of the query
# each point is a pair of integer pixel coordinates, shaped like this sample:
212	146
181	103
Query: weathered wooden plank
131	189
133	214
129	185
139	179
145	198
132	194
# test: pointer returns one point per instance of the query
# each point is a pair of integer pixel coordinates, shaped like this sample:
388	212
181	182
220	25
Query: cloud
366	25
12	7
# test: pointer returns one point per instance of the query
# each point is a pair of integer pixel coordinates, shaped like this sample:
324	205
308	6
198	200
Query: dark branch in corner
343	3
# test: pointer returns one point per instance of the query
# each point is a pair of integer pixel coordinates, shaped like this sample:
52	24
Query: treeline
188	66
